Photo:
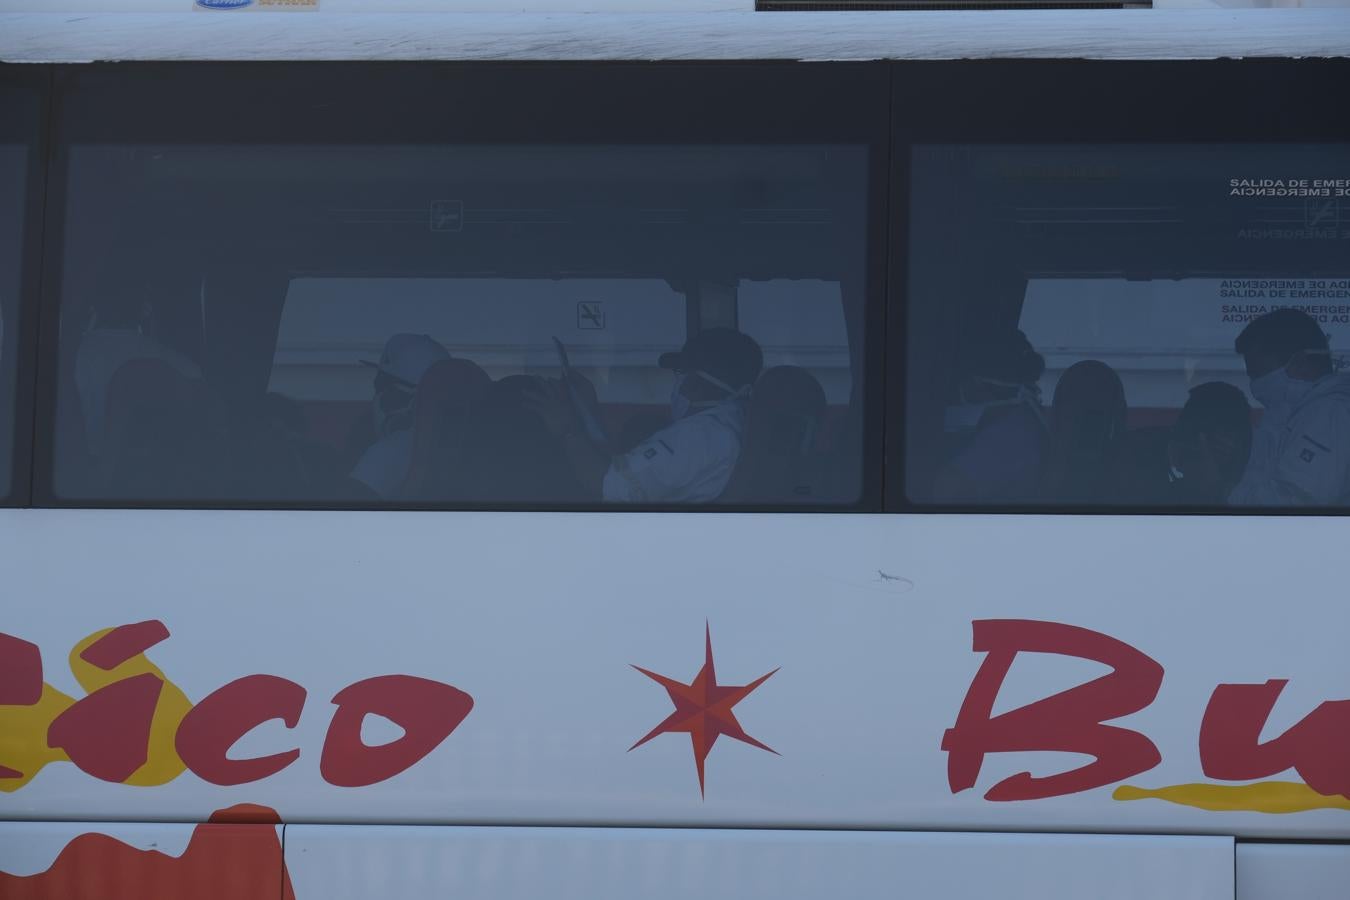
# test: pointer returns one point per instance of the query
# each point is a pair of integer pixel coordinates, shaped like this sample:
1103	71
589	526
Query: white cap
407	357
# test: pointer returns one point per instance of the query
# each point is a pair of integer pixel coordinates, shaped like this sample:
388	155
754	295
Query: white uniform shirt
384	466
688	461
1301	458
102	352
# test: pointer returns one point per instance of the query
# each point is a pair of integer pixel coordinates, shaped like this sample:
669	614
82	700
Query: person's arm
1309	464
1312	464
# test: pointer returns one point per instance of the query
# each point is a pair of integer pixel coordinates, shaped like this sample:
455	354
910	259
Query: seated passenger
691	459
1086	426
120	329
406	358
998	424
1301	448
778	461
638	427
1197	461
510	455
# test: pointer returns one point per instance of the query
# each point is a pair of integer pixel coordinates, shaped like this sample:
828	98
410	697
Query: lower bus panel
219	861
425	862
1305	871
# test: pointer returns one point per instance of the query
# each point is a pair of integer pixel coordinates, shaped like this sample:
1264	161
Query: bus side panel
957	673
110	861
1306	871
402	863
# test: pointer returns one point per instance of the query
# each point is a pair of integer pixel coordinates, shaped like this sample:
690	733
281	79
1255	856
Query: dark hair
1088	410
1214	406
724	353
1280	334
1218	408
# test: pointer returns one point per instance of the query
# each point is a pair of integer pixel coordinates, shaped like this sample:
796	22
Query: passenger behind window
122	327
997	424
779	463
446	415
511	455
1301	448
1197	461
692	458
406	358
638	427
1086	427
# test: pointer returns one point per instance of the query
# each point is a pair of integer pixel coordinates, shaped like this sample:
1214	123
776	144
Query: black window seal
34	134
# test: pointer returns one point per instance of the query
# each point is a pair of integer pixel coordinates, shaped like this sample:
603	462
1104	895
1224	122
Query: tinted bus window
1149	326
462	325
13	158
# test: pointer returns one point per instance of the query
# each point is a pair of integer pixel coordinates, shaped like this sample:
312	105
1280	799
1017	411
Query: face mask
720	384
680	405
1276	391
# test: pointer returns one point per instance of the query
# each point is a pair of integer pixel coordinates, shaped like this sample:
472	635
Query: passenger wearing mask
1086	427
406	358
118	331
1198	460
1301	448
691	459
997	424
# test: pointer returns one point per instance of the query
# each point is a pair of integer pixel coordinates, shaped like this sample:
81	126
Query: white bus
599	451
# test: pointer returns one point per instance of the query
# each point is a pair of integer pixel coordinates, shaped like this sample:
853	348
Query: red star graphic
703	709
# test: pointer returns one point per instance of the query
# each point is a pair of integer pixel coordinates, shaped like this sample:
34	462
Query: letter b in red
1068	722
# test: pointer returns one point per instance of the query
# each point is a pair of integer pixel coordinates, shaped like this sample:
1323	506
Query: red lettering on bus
212	727
1317	746
1070	721
107	734
20	672
124	642
427	711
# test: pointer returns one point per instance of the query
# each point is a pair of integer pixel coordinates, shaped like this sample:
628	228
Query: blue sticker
224	4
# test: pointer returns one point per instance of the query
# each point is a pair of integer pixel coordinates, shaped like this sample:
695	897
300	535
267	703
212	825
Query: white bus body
507	703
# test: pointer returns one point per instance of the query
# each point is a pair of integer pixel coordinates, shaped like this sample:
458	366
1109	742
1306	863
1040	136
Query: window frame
476	103
34	135
1061	102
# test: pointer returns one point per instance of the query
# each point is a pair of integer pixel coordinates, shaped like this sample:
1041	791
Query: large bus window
480	326
1147	327
12	185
